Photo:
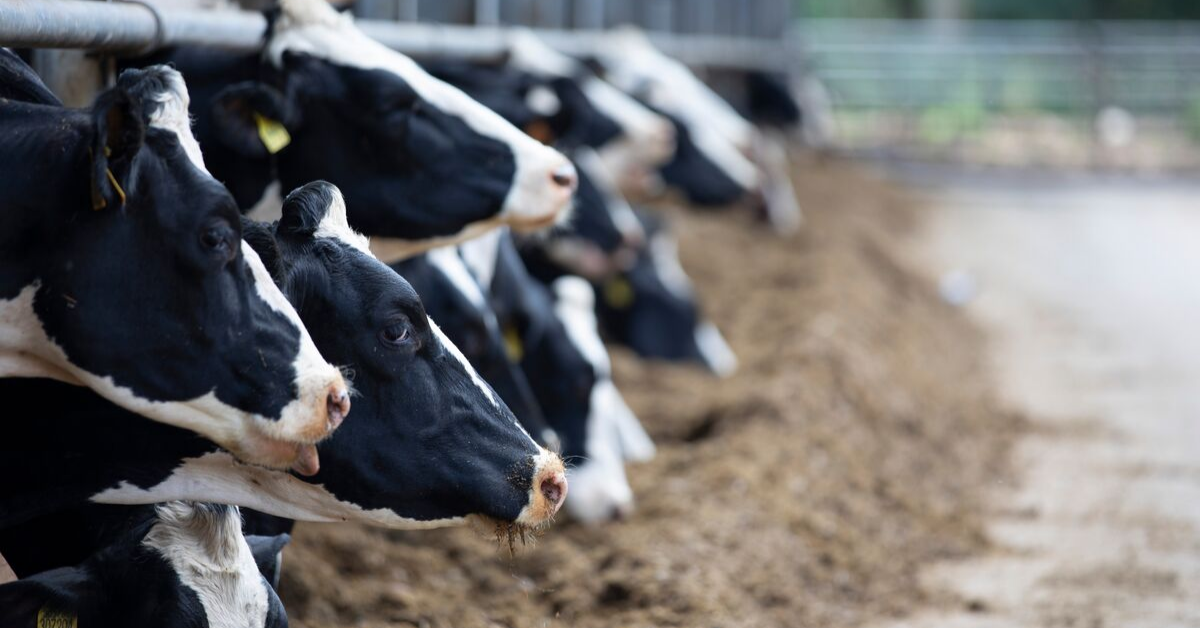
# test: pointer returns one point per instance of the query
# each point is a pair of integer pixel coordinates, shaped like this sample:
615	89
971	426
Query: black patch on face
407	168
123	584
479	341
693	173
561	376
425	442
156	279
769	101
592	219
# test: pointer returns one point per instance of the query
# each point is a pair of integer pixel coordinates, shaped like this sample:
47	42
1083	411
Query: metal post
487	12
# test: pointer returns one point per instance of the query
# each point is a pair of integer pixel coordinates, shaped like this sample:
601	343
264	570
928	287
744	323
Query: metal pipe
131	27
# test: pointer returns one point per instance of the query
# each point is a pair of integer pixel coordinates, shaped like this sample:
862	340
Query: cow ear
305	207
253	119
268	554
51	598
118	134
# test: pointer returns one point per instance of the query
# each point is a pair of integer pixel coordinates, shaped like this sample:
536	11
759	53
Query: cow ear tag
48	617
618	294
98	202
512	344
272	133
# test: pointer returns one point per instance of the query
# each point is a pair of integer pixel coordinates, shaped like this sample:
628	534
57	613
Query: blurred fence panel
1021	93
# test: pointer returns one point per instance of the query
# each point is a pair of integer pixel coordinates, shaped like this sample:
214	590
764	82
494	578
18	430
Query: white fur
614	435
335	225
714	350
210	556
218	477
480	255
636	66
664	254
27	351
650	136
313	27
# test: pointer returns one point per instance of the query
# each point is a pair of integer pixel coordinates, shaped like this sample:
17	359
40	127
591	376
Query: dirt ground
1093	333
853	447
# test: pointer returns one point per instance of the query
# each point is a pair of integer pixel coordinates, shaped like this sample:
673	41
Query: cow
175	564
602	231
417	159
553	336
652	307
643	139
123	269
453	298
430	444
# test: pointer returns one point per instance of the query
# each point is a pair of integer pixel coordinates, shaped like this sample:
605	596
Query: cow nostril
338	405
554	488
565	176
620	512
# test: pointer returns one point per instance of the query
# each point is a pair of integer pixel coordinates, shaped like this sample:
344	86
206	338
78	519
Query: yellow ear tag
512	344
53	618
98	202
274	137
618	293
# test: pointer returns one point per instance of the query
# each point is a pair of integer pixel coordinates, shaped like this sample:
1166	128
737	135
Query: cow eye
396	334
218	240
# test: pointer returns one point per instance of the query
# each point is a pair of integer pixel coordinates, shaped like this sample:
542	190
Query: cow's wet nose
338	406
554	489
621	512
565	176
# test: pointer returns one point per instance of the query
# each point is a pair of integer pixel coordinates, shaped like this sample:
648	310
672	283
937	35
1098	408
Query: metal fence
1091	94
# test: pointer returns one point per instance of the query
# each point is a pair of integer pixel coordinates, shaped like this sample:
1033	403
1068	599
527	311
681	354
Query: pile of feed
853	447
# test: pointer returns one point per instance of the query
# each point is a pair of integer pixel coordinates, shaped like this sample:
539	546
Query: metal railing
123	26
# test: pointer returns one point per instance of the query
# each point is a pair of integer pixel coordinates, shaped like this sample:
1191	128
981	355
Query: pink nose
565	176
554	489
338	405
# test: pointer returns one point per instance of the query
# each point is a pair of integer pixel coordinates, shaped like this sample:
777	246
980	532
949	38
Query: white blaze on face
205	548
173	116
614	435
315	28
480	255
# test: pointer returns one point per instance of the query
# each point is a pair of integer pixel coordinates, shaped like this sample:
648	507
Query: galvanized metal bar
131	27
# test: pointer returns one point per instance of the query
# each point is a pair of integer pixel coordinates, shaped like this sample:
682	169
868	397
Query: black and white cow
709	165
179	564
652	307
417	159
554	338
430	443
122	268
602	231
453	298
643	139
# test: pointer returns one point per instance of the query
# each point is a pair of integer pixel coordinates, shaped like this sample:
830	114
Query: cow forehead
172	115
205	548
335	225
336	39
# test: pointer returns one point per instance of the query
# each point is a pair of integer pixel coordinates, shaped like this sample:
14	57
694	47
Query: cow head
629	136
145	291
416	158
652	308
568	367
432	442
453	297
176	564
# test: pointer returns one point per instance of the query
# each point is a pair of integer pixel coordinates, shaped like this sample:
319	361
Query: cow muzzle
547	492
